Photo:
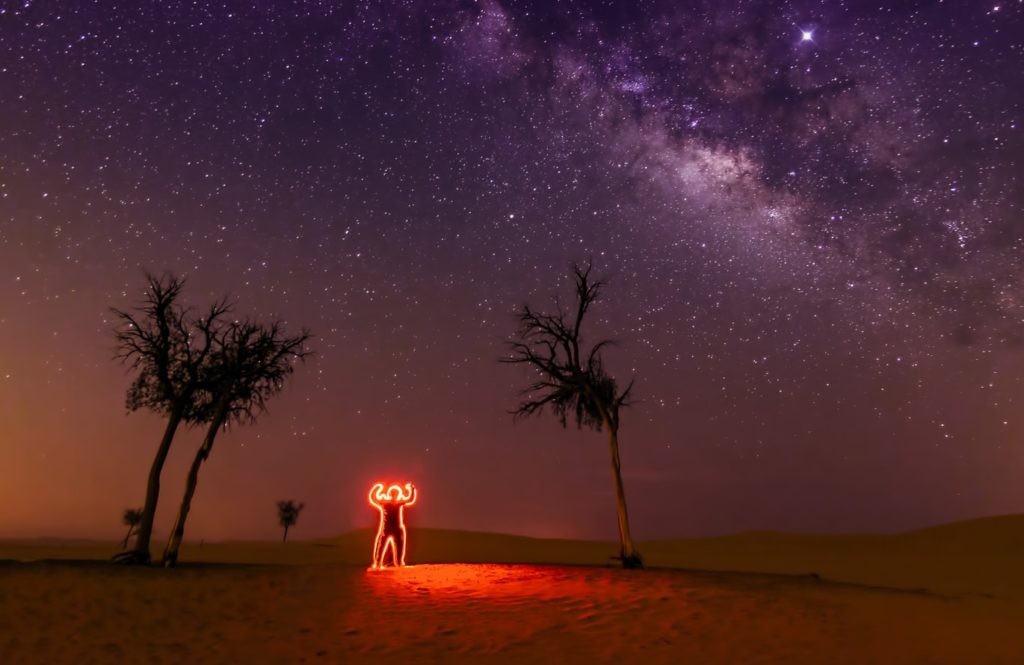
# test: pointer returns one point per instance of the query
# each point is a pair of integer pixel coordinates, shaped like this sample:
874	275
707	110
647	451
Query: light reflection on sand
455	581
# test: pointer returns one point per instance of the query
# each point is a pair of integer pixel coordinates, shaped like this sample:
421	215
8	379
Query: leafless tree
287	515
131	519
248	367
571	382
168	347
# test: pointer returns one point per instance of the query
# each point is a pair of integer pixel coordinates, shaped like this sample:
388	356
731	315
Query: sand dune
318	603
977	556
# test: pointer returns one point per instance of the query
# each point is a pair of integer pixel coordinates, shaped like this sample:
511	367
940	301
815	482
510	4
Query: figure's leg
376	547
401	546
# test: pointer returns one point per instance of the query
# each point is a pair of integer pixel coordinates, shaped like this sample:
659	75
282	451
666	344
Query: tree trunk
140	554
170	558
630	557
285	539
127	536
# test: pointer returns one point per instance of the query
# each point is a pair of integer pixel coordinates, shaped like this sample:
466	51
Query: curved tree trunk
140	554
285	539
630	557
170	557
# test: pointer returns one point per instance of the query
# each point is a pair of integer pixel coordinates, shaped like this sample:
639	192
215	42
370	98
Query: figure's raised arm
411	491
374	491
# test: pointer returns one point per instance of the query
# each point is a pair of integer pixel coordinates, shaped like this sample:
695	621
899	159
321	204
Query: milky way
810	214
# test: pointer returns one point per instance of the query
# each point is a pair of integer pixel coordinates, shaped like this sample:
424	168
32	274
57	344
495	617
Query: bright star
807	35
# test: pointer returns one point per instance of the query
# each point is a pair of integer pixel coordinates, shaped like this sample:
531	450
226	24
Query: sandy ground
322	609
461	613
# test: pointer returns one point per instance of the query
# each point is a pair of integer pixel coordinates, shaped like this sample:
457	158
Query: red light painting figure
391	532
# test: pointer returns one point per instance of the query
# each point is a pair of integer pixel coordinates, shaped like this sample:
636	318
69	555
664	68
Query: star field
811	215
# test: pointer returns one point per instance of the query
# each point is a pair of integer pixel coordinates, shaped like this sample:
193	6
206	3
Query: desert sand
951	594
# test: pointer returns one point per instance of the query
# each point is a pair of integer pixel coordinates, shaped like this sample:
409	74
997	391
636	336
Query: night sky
810	213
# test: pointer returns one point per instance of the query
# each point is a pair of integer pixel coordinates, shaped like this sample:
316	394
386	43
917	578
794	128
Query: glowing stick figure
391	532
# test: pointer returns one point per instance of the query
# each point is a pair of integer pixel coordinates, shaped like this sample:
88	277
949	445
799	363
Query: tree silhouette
131	519
288	514
249	366
572	382
168	348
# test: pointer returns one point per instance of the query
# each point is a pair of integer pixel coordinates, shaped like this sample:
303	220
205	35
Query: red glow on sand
454	582
391	533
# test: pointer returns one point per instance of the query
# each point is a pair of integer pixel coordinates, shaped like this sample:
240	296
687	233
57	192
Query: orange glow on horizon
391	503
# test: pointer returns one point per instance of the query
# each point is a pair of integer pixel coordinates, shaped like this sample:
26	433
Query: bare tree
249	366
572	382
287	515
131	519
168	347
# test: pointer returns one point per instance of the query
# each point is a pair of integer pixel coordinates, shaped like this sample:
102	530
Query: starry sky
809	211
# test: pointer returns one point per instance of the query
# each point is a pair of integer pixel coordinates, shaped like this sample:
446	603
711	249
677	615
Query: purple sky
815	246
